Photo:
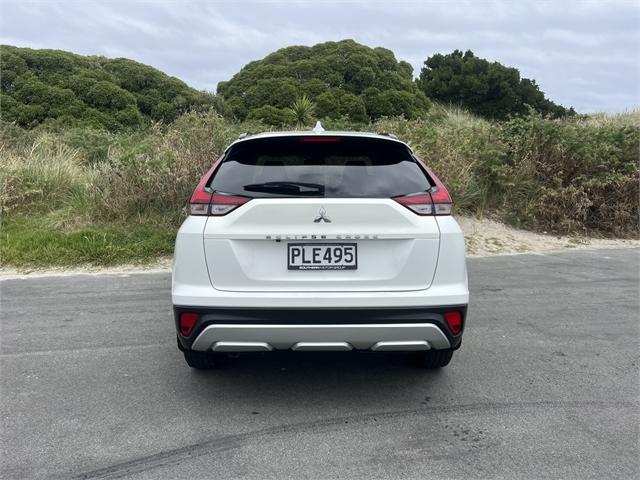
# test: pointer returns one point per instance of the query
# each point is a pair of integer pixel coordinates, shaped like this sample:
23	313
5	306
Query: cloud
582	53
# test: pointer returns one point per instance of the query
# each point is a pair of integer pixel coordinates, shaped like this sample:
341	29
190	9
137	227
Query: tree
488	89
333	75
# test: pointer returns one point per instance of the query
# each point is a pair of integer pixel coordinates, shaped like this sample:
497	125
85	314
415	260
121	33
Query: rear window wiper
287	188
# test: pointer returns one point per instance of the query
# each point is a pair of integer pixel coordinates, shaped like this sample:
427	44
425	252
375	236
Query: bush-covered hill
55	86
292	86
342	79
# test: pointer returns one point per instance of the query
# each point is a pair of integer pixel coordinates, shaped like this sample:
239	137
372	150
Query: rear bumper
241	329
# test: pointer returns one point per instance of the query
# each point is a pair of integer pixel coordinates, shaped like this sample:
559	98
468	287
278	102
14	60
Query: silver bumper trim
397	336
321	347
241	347
401	346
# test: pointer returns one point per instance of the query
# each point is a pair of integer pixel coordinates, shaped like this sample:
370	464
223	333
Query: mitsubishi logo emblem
322	216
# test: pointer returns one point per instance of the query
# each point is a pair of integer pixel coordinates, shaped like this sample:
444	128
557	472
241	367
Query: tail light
436	201
215	204
204	202
199	203
223	204
430	203
186	323
201	198
420	203
454	321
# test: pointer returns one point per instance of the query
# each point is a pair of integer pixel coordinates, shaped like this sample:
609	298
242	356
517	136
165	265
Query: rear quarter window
347	167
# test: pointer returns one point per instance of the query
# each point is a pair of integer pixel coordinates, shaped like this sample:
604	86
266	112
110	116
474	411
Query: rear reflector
187	322
454	320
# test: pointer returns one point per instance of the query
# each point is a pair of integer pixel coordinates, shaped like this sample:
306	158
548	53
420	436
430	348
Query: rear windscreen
333	167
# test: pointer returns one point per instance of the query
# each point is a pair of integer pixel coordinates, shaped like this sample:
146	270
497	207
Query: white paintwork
191	285
240	258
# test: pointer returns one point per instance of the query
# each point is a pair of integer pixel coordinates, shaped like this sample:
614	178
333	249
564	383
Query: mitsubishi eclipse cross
319	241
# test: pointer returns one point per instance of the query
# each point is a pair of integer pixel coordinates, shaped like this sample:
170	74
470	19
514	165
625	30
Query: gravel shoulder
485	237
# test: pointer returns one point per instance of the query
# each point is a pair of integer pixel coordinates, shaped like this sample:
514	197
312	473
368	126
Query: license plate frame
324	246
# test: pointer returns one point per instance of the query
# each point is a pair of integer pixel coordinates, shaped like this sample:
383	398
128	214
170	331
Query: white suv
319	241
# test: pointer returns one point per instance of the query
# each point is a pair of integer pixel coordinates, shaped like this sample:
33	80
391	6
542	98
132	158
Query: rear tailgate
247	250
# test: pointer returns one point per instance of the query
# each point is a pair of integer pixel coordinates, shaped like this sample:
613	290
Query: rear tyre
432	359
201	360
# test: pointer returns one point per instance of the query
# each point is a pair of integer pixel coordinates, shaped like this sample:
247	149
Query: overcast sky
582	53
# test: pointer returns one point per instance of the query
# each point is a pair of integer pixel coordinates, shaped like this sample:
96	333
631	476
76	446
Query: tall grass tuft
44	176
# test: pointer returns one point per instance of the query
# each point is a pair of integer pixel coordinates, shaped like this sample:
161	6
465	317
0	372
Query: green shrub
572	176
564	176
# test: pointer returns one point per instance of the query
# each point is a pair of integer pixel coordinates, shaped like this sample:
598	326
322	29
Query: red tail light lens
203	202
319	139
199	204
201	198
442	203
420	203
187	322
223	204
454	320
215	204
436	201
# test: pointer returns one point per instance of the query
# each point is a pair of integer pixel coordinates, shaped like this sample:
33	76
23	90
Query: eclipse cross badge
322	216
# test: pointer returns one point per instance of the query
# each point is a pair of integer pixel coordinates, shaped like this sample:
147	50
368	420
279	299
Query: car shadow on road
337	377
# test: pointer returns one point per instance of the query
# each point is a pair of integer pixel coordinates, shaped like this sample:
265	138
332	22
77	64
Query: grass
72	196
26	242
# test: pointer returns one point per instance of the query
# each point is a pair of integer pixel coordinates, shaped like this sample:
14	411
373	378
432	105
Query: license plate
322	256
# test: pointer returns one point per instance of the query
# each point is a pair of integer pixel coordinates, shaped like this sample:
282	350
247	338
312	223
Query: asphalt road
545	385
